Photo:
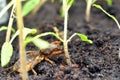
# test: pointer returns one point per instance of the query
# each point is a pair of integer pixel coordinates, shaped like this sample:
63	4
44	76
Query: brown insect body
31	56
35	57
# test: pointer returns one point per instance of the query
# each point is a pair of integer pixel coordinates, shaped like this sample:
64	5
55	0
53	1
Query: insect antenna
6	69
10	73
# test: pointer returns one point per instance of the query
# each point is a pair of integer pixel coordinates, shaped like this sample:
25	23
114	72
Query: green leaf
6	53
26	31
109	2
40	43
5	28
29	6
70	3
84	38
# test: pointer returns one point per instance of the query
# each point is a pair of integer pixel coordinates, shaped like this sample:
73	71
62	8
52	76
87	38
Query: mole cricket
35	57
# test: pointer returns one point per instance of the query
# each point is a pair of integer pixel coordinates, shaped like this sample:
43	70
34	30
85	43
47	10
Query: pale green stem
49	33
67	56
10	24
21	41
88	9
71	37
111	16
6	8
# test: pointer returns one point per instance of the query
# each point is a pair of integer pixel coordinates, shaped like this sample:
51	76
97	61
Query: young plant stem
67	56
6	8
71	37
10	24
88	9
21	42
111	16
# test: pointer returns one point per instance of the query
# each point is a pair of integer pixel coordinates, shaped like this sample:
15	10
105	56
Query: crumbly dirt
97	61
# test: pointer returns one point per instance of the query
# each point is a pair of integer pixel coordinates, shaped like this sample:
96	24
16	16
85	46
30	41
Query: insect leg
56	53
48	60
35	62
35	73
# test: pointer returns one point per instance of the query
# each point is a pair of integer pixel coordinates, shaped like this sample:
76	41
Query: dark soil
97	61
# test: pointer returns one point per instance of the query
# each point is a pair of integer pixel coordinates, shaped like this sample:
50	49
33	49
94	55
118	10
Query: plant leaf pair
7	48
68	5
